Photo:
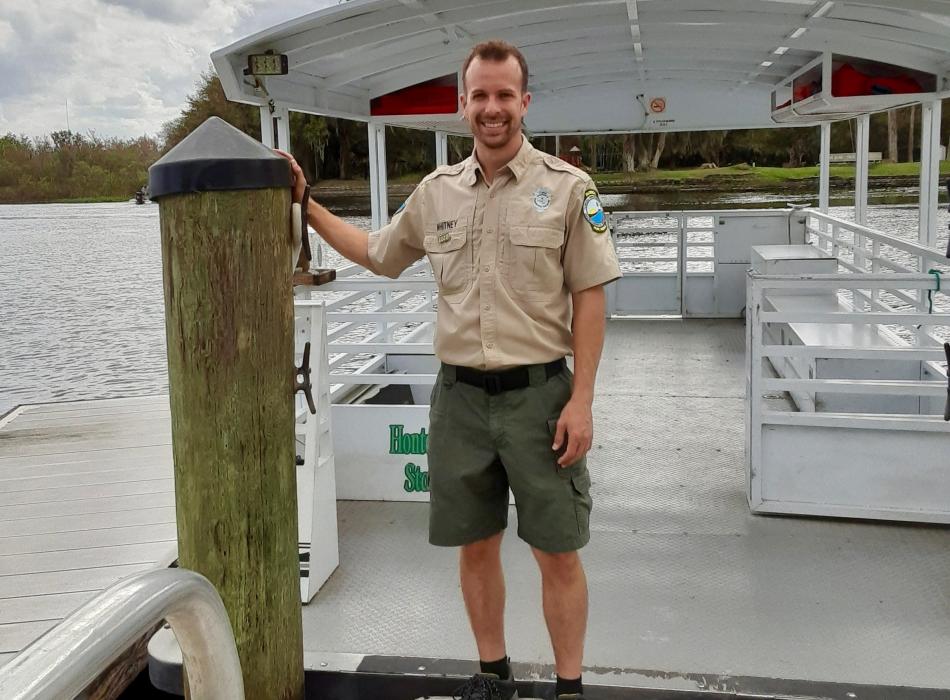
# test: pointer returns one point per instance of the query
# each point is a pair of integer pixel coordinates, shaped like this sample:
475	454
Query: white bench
807	259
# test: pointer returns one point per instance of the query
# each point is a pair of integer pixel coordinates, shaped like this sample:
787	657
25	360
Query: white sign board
380	452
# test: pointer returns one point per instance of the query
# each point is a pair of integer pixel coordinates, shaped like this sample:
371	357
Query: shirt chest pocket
534	268
450	255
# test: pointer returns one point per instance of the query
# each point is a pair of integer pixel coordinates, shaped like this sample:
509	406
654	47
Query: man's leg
483	588
564	598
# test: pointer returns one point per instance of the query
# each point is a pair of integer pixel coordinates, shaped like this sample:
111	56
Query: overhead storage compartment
834	86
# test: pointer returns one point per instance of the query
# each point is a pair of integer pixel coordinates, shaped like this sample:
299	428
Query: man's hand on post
575	427
300	180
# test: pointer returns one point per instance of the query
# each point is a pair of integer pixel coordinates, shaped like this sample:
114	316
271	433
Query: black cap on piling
217	156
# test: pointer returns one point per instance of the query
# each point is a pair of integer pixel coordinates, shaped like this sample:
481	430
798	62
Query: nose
492	106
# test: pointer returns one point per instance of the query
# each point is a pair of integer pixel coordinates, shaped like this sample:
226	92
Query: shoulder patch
594	211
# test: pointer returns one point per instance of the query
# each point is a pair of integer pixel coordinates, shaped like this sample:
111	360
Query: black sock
568	685
500	668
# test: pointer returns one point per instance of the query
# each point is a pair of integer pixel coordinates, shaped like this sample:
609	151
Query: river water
81	308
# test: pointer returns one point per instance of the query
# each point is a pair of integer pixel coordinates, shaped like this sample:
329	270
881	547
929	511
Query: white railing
682	241
370	318
870	439
64	661
866	359
863	250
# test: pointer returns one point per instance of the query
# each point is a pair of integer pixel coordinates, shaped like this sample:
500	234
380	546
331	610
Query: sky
125	67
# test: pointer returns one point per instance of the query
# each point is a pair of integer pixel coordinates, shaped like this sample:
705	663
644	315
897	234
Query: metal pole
283	128
227	249
267	126
377	175
863	130
64	661
441	148
929	172
824	180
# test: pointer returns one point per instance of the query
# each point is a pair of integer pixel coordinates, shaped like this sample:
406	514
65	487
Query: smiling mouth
492	125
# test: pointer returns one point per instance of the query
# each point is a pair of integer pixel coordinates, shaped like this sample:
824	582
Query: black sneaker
486	686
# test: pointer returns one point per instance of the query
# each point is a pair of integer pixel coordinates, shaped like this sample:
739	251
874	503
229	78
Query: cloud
125	66
166	11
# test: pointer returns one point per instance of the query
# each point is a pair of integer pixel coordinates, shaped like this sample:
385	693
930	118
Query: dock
689	590
86	498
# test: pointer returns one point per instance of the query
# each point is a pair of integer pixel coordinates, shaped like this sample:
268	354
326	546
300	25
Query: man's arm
348	240
576	423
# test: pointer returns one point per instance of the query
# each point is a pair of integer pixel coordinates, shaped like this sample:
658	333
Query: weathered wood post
226	253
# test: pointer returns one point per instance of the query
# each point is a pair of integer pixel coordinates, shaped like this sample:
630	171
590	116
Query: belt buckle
491	383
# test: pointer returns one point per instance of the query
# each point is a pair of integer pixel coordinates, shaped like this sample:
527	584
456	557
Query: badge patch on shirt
594	211
444	237
542	199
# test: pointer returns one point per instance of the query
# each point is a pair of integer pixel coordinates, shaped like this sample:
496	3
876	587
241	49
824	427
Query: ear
462	101
525	101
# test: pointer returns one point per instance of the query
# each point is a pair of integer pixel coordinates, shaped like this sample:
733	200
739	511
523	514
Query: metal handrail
64	661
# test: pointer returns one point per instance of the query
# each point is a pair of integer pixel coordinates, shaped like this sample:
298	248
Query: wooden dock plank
43	421
102	505
16	636
95	579
92	521
132	402
65	494
41	607
32	445
86	478
12	466
106	537
118	555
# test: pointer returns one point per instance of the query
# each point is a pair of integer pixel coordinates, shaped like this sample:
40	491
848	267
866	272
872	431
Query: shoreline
730	179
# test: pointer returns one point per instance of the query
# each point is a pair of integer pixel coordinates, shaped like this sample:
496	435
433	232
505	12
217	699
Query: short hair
497	51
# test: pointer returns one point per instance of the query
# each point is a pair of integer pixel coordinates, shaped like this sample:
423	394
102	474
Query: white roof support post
377	174
863	124
557	145
929	172
824	179
283	128
441	148
267	126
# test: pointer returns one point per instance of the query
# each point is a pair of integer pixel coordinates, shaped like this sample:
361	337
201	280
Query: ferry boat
757	364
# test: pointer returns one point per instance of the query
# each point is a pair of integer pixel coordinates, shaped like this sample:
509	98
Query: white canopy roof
595	65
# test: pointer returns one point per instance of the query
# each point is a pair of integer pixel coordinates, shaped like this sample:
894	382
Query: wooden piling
229	329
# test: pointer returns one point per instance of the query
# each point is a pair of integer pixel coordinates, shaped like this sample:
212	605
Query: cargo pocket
534	261
450	256
580	483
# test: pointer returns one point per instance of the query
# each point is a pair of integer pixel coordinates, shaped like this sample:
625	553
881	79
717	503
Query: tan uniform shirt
505	256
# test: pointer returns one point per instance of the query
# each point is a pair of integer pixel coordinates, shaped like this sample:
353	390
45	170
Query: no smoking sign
658	105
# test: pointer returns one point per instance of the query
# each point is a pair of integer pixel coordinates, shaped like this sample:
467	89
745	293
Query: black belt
506	380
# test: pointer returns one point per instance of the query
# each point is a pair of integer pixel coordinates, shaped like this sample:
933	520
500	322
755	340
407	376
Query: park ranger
518	244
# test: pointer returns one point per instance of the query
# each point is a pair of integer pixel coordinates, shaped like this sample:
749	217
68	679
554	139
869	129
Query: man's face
493	102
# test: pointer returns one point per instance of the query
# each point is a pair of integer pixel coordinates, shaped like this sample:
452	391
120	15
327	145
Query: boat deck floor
688	589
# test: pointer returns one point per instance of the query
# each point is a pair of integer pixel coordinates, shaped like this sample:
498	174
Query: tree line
68	166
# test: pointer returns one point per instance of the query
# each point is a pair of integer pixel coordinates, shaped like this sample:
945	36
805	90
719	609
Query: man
519	248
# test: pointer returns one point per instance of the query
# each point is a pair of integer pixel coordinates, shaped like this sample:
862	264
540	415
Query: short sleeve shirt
506	256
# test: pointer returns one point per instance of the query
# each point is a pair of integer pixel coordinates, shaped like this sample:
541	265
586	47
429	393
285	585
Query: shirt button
491	196
487	268
491	230
487	307
490	346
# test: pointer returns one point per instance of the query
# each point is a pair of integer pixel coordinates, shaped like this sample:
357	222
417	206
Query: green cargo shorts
481	444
